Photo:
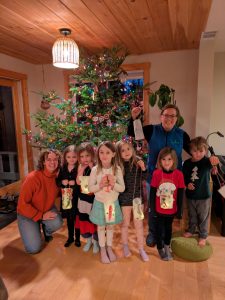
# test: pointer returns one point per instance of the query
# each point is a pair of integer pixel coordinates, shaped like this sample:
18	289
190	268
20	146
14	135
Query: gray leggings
199	213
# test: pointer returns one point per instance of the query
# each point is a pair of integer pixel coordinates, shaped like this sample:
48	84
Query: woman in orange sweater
36	203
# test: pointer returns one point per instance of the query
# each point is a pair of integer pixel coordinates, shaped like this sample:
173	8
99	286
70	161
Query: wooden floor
69	273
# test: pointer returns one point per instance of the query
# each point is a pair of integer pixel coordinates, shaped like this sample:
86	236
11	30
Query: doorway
9	167
14	85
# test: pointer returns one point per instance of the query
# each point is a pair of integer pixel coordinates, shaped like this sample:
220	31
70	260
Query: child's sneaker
168	252
187	234
126	251
162	254
144	255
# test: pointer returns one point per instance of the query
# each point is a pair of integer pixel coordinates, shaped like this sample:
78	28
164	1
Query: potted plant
163	96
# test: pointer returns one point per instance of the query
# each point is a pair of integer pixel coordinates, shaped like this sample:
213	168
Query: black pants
163	230
71	217
152	224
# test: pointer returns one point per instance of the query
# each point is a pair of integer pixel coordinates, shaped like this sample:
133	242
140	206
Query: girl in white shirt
106	182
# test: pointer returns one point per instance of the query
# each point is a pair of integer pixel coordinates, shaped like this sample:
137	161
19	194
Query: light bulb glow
65	53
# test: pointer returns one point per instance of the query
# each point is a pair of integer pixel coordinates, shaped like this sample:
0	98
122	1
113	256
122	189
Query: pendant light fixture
65	51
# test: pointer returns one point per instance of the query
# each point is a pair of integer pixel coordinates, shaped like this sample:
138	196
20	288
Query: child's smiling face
126	152
106	155
167	162
71	158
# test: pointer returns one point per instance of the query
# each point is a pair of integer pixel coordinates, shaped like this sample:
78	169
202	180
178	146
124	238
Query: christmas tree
98	108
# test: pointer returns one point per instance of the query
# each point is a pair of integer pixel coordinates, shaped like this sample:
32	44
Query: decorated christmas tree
98	108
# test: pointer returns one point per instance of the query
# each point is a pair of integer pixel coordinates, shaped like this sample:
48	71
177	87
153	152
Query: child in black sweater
67	181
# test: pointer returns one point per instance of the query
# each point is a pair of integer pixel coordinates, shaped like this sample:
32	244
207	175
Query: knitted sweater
167	186
102	195
198	173
69	175
38	194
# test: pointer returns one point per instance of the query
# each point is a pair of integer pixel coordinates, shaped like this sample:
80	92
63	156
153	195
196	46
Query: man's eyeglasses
169	116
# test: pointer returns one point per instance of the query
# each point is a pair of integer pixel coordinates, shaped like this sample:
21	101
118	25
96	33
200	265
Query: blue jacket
160	139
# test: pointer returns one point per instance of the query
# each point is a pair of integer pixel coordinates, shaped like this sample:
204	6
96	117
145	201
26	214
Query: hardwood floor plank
69	273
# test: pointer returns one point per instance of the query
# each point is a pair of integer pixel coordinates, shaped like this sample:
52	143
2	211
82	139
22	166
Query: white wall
210	95
178	70
205	87
217	122
212	80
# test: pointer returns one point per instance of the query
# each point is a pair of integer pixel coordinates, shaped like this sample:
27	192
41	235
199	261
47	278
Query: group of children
104	188
95	196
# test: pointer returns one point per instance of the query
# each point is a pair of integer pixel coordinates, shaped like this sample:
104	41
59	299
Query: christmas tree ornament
101	119
95	119
109	123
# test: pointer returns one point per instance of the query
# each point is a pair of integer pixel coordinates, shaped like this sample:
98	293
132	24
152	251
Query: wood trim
22	79
16	109
145	67
12	75
26	116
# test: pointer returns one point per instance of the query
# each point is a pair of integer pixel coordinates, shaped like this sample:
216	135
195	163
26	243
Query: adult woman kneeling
36	205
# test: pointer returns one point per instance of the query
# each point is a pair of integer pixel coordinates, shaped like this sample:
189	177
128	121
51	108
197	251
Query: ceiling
28	28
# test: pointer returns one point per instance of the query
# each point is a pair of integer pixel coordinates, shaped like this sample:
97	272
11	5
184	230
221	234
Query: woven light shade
65	51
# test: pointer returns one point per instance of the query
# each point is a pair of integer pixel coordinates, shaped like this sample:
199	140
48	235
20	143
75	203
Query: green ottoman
188	249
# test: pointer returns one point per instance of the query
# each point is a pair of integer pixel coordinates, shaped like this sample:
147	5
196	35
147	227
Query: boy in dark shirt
197	176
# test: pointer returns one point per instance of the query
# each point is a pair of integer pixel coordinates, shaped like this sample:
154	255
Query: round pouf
188	249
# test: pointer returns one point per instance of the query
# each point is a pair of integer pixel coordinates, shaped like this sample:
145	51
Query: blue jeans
31	233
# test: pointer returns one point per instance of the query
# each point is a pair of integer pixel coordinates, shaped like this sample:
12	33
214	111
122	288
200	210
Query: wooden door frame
145	67
16	79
